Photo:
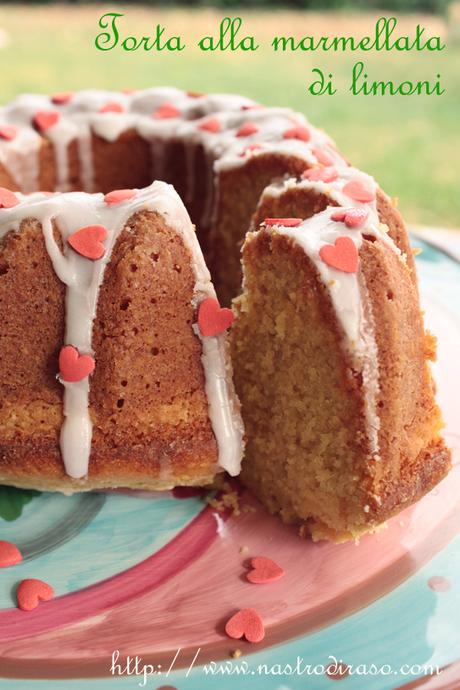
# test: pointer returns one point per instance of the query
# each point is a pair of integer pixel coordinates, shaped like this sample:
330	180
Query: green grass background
410	144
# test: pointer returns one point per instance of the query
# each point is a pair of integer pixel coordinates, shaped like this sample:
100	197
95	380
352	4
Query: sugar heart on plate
88	241
31	592
9	554
341	255
264	570
212	318
246	623
73	366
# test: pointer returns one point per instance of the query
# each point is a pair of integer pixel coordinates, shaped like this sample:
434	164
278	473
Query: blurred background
411	144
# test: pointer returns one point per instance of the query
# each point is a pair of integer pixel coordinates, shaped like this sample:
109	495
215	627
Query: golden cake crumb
227	500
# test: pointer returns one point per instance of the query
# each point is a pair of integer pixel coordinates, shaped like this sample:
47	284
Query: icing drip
62	135
222	408
82	278
348	294
68	213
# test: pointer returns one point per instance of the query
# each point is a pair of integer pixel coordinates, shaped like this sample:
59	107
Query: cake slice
114	369
331	366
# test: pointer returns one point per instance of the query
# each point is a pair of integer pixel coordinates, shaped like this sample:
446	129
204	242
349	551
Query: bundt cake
331	358
160	409
329	347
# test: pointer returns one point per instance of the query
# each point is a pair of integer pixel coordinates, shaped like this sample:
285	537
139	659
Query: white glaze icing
332	190
349	298
82	277
80	116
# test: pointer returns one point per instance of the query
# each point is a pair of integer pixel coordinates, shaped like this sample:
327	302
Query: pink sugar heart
298	132
264	570
212	318
88	241
44	119
352	217
112	107
8	199
31	592
341	255
9	554
285	222
357	191
119	195
320	174
247	129
8	132
73	366
322	157
212	125
339	215
62	98
246	623
166	112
